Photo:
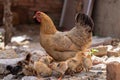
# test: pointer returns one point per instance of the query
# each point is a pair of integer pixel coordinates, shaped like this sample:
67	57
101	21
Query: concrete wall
106	15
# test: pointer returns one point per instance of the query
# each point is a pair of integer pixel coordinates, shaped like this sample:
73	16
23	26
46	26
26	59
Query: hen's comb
38	12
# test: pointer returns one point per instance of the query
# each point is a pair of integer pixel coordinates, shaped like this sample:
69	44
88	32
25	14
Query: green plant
92	51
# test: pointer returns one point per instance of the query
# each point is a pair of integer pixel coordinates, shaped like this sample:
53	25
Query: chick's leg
60	78
79	69
38	75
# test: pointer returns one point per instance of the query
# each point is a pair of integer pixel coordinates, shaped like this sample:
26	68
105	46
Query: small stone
97	60
96	41
8	77
113	71
114	52
99	67
20	39
8	53
30	78
2	41
3	69
112	59
5	62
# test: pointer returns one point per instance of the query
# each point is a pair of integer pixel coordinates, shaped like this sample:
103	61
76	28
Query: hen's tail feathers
84	19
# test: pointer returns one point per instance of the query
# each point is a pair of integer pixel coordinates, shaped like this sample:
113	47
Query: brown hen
64	45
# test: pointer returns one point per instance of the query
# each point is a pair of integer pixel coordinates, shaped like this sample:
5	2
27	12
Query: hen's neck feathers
47	25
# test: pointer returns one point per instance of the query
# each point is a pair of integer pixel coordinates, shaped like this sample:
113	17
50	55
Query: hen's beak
37	19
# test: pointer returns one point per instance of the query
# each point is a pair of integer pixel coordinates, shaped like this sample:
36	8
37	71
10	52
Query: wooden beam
7	21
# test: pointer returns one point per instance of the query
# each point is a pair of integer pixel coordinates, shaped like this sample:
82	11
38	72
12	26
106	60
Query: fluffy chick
69	66
42	69
87	62
46	59
75	63
30	68
60	68
38	68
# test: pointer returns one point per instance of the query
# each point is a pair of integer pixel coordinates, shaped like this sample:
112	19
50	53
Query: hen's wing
63	43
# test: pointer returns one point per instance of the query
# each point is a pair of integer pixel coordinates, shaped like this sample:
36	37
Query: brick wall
24	10
1	12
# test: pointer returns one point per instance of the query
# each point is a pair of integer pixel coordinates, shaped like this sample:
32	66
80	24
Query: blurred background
19	32
105	14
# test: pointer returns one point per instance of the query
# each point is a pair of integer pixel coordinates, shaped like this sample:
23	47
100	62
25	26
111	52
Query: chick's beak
50	65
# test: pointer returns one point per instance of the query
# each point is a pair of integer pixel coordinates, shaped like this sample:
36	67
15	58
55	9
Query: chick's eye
19	63
58	65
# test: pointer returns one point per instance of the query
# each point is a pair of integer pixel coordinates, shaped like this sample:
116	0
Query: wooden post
113	70
88	6
7	21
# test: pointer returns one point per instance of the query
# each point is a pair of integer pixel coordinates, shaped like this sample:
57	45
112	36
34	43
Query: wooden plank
70	8
67	19
88	6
